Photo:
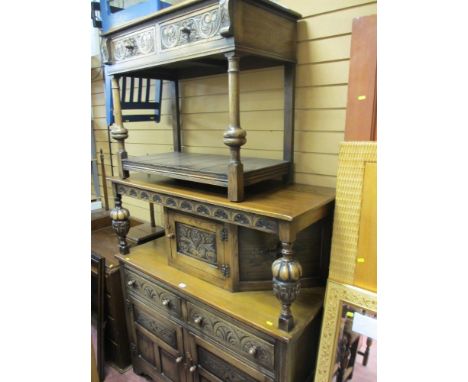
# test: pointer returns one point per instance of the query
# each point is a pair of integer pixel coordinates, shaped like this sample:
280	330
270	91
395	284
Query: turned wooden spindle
118	131
286	286
121	224
234	136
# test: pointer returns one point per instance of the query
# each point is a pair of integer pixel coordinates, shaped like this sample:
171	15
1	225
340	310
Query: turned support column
234	136
121	224
118	131
286	275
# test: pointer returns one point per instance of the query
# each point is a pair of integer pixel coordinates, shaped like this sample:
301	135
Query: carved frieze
261	223
238	340
197	243
136	44
191	29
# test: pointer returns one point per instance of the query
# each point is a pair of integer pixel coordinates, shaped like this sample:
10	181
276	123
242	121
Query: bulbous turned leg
121	224
286	286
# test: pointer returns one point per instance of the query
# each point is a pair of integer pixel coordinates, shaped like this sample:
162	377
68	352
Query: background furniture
361	110
202	37
353	260
105	244
98	265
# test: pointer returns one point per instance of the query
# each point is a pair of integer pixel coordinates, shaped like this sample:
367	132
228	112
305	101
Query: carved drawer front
156	295
240	341
133	45
200	247
159	326
196	27
157	343
211	364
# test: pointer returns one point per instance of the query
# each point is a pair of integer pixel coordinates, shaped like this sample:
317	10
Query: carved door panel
157	344
200	247
208	363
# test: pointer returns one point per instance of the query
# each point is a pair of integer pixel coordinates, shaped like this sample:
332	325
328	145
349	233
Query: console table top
272	199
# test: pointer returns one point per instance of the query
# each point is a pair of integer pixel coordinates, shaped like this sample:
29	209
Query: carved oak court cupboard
202	302
199	308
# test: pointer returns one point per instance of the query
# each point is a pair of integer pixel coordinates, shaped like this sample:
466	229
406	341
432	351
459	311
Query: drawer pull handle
186	30
166	302
170	235
193	368
179	359
198	320
253	351
132	283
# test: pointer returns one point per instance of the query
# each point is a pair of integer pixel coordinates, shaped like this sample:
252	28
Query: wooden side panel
267	31
365	272
362	89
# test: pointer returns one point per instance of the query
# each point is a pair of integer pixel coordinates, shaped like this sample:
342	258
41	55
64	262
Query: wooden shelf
205	168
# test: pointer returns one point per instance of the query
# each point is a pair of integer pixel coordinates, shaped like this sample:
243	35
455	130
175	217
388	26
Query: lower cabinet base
175	336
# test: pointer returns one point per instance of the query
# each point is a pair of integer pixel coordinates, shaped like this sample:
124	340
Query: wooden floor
211	168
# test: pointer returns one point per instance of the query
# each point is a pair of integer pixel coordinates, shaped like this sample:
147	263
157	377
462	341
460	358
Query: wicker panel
350	178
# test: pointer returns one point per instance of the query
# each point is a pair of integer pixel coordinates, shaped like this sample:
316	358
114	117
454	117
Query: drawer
240	341
134	45
168	332
188	30
156	295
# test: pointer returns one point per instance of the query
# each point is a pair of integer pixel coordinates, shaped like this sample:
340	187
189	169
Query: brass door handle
198	320
165	302
253	350
170	235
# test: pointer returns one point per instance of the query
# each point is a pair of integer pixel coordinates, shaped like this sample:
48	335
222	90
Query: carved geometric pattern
133	45
168	335
223	370
336	295
191	29
197	243
152	292
238	340
242	219
349	183
258	222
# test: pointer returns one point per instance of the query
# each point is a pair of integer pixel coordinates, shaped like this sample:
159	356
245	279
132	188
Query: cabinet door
156	343
209	363
200	247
